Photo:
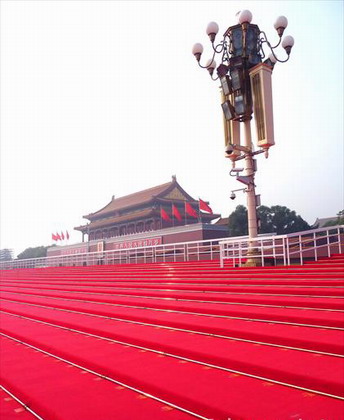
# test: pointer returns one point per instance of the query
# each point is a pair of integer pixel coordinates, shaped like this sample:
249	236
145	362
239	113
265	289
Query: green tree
37	252
281	220
265	218
237	223
275	219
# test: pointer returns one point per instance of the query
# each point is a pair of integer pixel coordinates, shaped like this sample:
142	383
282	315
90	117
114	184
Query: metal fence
296	247
178	252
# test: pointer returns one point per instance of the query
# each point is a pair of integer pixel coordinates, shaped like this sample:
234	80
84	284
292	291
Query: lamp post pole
250	190
246	90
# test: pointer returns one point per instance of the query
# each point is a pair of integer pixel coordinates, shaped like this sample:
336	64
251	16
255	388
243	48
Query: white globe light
197	49
287	42
245	16
212	28
281	22
210	64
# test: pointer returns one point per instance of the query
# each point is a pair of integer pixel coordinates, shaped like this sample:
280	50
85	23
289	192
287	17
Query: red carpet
173	341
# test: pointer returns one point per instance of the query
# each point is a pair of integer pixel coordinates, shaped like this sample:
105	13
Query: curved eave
113	221
127	209
137	200
210	216
81	228
90	215
175	201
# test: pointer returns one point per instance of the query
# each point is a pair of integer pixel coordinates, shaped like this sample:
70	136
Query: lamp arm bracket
280	61
206	67
264	39
240	157
241	148
258	152
220	47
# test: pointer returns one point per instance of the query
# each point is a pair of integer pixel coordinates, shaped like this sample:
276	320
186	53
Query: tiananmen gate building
159	215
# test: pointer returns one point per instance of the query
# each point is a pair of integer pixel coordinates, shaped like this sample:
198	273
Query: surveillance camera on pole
232	148
233	196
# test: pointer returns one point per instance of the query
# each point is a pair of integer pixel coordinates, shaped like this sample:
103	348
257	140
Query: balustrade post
315	246
221	255
339	241
300	247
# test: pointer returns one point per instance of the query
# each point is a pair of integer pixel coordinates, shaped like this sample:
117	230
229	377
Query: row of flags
202	206
58	237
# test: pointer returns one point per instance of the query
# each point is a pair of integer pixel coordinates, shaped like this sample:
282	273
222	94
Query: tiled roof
222	221
321	222
115	220
130	200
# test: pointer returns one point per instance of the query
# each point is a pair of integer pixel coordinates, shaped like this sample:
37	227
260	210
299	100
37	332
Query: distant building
158	215
319	223
223	221
144	211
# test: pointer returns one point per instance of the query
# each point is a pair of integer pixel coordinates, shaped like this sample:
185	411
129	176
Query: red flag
204	206
190	211
164	215
62	236
67	235
176	213
58	237
53	237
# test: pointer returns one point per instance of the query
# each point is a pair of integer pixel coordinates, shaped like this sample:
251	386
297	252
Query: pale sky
102	98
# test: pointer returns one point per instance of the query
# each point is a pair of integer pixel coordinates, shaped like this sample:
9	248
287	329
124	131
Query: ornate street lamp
245	76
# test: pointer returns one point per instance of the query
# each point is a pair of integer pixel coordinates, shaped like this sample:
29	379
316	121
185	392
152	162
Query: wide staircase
173	341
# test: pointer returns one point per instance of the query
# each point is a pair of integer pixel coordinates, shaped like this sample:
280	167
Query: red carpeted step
192	265
321	339
316	272
11	409
239	273
168	296
326	264
209	392
261	298
310	370
218	278
300	315
332	257
228	282
229	288
57	390
132	272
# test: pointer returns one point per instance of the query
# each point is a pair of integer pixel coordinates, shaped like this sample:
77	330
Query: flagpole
185	211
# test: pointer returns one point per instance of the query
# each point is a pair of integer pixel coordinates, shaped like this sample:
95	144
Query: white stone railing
177	252
296	247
